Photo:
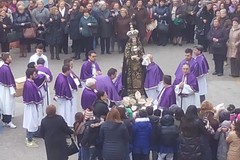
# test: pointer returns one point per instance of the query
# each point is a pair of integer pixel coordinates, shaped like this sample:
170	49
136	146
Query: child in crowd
220	135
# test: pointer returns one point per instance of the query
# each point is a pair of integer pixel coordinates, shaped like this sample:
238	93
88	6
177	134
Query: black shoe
214	73
77	58
57	58
220	74
109	53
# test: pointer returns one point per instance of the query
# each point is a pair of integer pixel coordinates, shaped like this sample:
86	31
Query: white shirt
35	57
62	11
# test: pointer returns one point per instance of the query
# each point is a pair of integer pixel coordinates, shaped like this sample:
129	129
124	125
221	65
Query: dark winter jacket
87	31
114	137
219	47
54	32
121	26
100	108
155	121
190	139
74	25
4	31
54	131
105	28
168	132
142	130
161	13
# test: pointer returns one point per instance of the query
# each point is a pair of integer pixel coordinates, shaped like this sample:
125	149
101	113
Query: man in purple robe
118	83
32	100
63	96
167	96
7	90
42	70
203	71
105	83
186	89
194	68
153	78
74	83
90	68
89	94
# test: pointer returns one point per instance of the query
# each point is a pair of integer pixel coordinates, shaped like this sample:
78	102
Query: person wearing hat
221	135
89	94
203	71
233	44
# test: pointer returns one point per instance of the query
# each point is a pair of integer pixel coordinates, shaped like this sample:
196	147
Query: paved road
221	89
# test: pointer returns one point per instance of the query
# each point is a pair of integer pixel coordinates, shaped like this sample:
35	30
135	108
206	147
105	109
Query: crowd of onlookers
215	25
205	133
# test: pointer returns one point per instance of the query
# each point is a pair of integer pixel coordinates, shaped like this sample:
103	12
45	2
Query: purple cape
62	88
104	83
31	93
71	81
88	98
168	97
45	70
191	81
194	68
154	75
40	80
6	76
118	83
86	70
203	64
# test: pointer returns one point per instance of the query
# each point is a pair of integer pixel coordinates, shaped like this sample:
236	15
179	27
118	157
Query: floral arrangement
136	102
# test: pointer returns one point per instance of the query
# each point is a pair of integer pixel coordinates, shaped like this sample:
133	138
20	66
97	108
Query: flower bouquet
136	102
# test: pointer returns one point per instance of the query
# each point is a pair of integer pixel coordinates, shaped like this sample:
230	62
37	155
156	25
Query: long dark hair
100	94
191	112
237	128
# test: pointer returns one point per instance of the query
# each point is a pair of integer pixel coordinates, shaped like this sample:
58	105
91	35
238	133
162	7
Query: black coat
5	31
155	124
115	140
219	47
168	132
74	25
190	139
54	131
100	108
105	28
54	31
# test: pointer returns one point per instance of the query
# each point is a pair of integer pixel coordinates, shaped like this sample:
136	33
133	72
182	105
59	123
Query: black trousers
190	33
140	156
235	67
6	118
64	45
5	47
105	44
162	38
218	62
87	43
77	46
57	50
122	43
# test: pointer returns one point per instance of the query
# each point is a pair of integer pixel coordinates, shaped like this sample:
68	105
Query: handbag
29	33
13	36
151	26
163	26
72	148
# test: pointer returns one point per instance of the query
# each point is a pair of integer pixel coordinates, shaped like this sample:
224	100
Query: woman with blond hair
21	21
114	136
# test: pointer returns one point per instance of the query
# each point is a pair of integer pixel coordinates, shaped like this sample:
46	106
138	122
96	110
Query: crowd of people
214	24
178	123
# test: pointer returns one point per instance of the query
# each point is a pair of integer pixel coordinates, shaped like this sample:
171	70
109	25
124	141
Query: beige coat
233	43
234	146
